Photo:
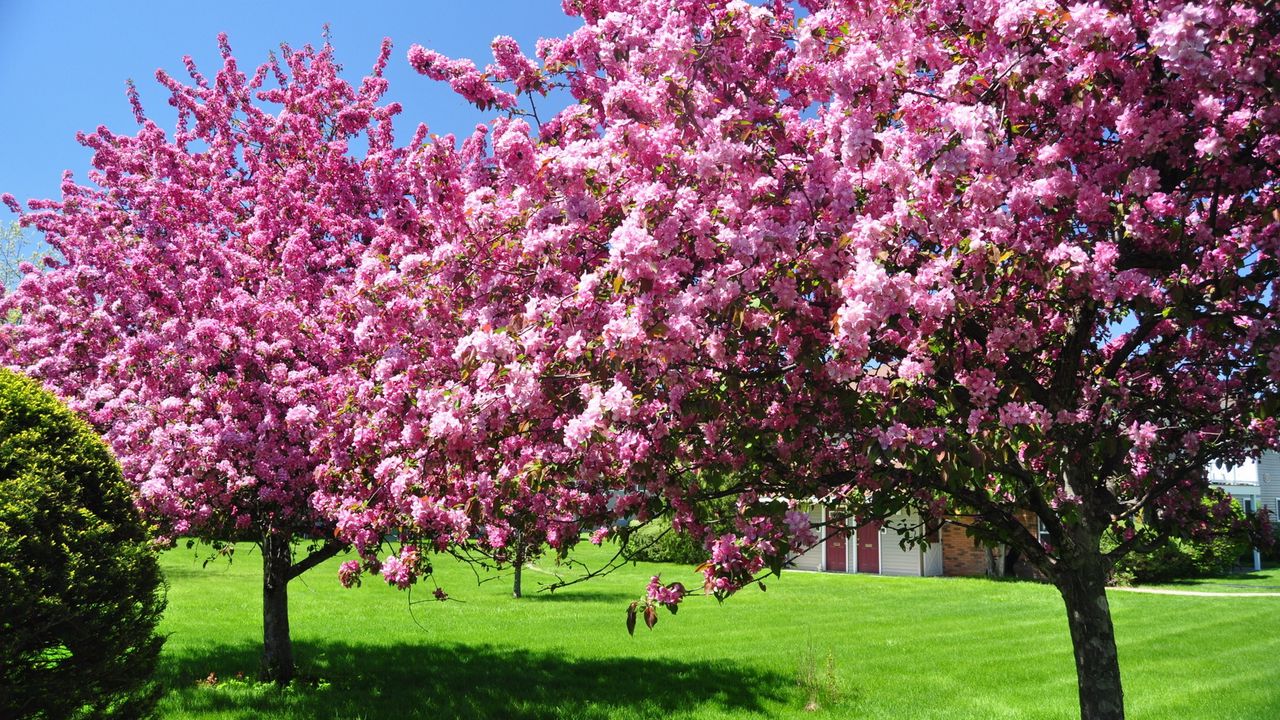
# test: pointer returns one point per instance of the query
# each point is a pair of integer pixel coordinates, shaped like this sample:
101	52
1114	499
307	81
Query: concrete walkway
1195	593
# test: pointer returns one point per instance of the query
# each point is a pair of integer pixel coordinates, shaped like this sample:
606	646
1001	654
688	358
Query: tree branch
329	549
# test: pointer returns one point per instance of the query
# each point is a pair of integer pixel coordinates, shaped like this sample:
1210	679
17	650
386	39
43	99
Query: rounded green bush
658	542
80	585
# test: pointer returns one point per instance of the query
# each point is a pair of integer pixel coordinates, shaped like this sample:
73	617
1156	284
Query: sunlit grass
813	645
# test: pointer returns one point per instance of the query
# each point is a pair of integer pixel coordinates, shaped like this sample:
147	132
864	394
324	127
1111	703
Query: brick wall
962	555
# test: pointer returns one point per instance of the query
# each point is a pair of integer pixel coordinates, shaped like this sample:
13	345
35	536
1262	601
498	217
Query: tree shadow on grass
579	595
1244	578
459	681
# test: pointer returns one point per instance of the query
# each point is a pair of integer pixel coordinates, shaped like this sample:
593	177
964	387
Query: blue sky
63	65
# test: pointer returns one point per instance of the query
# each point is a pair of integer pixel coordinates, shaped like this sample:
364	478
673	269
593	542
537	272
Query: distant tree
192	318
969	258
80	586
12	255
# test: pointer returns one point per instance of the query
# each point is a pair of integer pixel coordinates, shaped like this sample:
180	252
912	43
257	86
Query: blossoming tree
974	258
193	317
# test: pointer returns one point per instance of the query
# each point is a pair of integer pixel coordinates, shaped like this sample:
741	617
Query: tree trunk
277	648
994	567
1084	590
1011	556
519	565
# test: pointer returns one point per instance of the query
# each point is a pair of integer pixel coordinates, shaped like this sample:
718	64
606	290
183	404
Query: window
1042	533
1248	506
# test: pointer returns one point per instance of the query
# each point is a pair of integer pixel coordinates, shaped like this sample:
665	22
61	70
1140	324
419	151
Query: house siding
1258	478
913	561
894	560
933	558
811	559
1269	482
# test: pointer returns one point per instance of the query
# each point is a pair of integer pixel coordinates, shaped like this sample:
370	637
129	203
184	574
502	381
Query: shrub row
1180	559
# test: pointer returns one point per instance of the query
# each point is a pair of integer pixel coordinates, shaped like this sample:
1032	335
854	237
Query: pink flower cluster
664	594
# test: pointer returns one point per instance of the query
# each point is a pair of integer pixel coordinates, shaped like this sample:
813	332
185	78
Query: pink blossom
1143	435
725	551
579	429
302	415
396	572
498	535
664	594
1179	36
349	573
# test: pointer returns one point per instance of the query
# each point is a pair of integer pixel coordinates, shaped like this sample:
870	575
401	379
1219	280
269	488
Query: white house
1255	484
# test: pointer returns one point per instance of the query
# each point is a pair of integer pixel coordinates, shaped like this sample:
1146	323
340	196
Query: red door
869	548
837	553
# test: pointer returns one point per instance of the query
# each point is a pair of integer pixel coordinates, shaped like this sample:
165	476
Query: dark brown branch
1136	338
328	550
1003	519
1072	356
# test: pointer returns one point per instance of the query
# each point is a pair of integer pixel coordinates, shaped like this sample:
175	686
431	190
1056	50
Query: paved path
1194	593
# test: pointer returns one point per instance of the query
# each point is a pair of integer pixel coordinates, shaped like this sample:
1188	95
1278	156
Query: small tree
193	319
12	256
80	586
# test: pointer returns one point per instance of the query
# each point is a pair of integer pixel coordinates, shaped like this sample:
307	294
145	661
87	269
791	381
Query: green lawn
1266	580
865	647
